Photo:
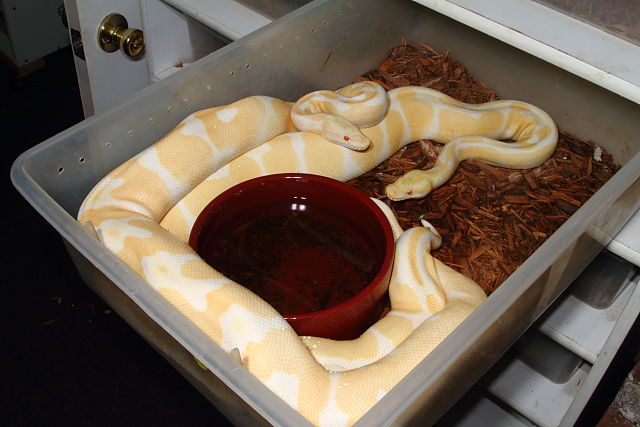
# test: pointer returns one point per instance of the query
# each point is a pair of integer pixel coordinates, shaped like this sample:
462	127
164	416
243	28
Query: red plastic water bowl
317	250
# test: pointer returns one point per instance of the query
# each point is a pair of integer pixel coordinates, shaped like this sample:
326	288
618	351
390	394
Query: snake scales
144	209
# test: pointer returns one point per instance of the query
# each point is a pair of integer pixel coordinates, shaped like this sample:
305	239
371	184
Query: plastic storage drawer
327	44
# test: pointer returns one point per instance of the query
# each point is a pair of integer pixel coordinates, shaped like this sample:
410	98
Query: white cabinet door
176	33
105	79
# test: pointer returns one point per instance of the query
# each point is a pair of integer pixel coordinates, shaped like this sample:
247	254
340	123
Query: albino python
144	209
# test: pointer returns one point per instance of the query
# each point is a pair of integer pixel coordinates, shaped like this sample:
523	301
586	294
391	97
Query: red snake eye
410	192
346	138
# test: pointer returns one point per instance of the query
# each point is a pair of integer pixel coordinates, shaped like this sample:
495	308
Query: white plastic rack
550	375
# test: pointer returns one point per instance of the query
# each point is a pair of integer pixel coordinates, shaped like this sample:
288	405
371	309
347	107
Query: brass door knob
114	33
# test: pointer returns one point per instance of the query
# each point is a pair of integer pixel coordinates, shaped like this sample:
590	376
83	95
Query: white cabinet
29	30
176	33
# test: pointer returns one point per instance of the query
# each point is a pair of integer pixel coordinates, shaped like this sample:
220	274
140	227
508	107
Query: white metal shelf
582	329
484	412
533	395
626	244
577	327
179	32
229	18
555	37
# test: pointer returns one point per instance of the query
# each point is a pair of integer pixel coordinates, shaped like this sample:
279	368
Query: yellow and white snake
144	209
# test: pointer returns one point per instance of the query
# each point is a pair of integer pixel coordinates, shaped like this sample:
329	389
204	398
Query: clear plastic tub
327	44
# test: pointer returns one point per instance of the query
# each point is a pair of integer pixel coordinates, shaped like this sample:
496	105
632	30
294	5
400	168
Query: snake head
341	131
412	185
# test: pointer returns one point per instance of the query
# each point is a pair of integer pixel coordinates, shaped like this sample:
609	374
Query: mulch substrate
490	218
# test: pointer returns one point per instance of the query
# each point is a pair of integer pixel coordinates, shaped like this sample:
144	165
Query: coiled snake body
144	209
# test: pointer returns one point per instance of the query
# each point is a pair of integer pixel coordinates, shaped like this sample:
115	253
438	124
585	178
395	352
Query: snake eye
410	192
346	137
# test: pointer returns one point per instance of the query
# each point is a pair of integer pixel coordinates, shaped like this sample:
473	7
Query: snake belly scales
144	209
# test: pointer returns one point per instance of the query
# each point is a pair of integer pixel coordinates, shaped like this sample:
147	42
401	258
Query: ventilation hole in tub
324	22
350	5
313	30
232	73
107	145
81	160
60	170
340	12
131	132
152	120
247	66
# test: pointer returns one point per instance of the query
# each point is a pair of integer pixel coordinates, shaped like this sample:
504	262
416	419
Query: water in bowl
301	257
